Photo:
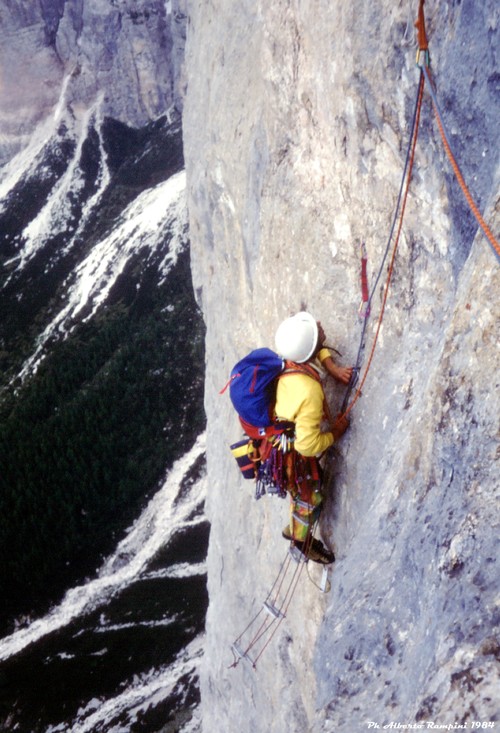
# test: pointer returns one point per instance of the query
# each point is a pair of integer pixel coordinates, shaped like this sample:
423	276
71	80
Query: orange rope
425	74
423	44
487	231
359	389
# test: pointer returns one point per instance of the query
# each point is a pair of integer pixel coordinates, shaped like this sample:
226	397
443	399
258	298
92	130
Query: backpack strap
292	367
231	379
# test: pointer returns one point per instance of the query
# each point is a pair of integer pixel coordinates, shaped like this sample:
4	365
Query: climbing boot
319	553
316	551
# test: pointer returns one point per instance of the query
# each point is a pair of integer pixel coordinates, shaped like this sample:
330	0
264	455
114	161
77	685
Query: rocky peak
59	54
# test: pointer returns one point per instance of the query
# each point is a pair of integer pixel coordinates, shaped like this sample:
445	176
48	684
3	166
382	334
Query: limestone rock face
296	126
120	55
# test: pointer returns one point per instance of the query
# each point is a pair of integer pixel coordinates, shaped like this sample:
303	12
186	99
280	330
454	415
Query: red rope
456	169
359	389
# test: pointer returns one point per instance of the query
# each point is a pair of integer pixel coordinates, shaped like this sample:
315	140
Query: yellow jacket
300	398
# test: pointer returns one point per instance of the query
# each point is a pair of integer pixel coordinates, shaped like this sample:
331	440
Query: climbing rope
423	63
398	213
456	169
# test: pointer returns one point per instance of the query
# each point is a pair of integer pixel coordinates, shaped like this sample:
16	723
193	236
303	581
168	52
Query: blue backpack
252	386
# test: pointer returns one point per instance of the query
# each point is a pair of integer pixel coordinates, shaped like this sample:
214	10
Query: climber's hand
343	374
339	427
340	373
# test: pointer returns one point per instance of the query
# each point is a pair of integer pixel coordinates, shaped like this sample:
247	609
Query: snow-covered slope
158	214
167	513
97	324
84	626
77	205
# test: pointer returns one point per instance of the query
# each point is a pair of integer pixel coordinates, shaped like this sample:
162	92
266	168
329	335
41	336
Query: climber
300	399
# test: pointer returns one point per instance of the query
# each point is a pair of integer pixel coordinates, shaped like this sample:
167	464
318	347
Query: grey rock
296	123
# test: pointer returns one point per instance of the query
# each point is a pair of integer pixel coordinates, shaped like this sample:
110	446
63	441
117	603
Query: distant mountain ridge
74	54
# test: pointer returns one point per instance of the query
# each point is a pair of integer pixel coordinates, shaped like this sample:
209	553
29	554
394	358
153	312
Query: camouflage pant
305	495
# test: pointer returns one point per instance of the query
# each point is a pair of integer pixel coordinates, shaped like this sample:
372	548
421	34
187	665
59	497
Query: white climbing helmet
297	337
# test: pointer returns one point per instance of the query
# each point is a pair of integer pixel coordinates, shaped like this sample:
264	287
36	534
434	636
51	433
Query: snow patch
142	692
156	214
182	570
56	213
167	512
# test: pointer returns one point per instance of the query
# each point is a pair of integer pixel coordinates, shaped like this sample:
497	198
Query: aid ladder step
297	554
240	654
325	584
272	610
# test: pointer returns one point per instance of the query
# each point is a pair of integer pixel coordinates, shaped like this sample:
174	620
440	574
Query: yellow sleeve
323	354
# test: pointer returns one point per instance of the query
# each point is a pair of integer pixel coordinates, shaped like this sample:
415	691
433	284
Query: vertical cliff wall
296	126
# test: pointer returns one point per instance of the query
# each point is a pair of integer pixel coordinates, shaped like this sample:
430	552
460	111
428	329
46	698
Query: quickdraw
364	306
